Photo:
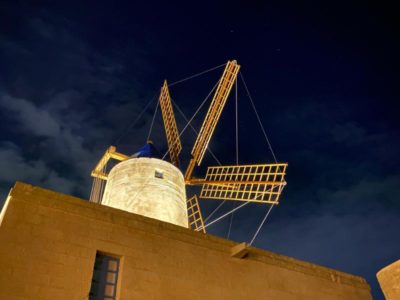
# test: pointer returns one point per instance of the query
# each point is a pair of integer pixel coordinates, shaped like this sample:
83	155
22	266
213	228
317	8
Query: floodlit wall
48	244
149	187
389	280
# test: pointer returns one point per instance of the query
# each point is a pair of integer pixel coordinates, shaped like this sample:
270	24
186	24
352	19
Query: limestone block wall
389	280
48	243
149	187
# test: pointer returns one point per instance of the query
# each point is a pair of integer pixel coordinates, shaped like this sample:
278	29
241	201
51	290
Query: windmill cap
147	150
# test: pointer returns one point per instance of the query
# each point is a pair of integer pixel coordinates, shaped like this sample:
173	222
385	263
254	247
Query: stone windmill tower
156	188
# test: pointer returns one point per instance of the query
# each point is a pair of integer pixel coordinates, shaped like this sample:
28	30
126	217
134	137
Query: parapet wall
48	244
389	280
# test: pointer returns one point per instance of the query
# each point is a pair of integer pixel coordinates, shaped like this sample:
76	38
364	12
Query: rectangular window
105	277
159	174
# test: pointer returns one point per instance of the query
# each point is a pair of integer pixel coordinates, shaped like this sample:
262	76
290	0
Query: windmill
157	188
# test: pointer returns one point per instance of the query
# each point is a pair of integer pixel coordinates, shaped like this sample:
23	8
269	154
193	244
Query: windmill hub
149	187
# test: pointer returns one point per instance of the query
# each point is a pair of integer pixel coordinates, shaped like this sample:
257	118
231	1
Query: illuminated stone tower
149	187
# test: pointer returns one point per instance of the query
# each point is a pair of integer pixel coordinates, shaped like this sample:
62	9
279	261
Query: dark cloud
31	118
62	103
28	170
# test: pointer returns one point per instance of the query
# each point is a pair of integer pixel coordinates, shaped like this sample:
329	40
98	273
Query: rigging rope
148	104
233	210
226	214
194	115
237	149
270	148
258	117
273	154
194	130
91	198
214	211
237	121
195	75
189	124
102	184
152	121
97	190
230	221
261	225
135	121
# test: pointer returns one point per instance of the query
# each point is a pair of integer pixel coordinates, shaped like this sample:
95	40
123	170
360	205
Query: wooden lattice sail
99	173
171	130
254	183
195	219
214	112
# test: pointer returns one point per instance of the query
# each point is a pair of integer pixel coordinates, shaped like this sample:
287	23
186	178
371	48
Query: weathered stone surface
149	187
48	243
389	280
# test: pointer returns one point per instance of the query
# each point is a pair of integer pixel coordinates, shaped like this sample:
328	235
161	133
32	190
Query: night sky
324	78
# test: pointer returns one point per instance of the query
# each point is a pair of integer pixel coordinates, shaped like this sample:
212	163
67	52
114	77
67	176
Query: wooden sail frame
262	183
213	114
195	218
171	129
99	173
111	152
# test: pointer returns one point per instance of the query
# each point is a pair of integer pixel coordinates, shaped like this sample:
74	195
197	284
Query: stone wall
48	243
389	280
132	186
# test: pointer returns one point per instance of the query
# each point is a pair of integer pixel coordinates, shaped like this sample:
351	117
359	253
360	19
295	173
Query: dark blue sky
324	77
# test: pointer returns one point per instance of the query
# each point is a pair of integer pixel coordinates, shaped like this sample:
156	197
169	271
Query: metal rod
224	215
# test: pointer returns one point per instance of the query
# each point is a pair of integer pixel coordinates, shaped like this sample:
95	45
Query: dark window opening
159	174
105	277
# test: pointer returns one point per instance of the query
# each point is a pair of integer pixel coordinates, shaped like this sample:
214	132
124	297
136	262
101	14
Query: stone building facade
54	246
389	280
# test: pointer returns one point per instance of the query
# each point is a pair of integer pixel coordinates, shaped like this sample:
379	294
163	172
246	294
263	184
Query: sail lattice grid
194	215
171	130
254	183
214	112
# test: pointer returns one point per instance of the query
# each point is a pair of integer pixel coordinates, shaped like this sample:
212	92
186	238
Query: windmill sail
253	183
213	115
171	130
111	152
99	173
194	215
